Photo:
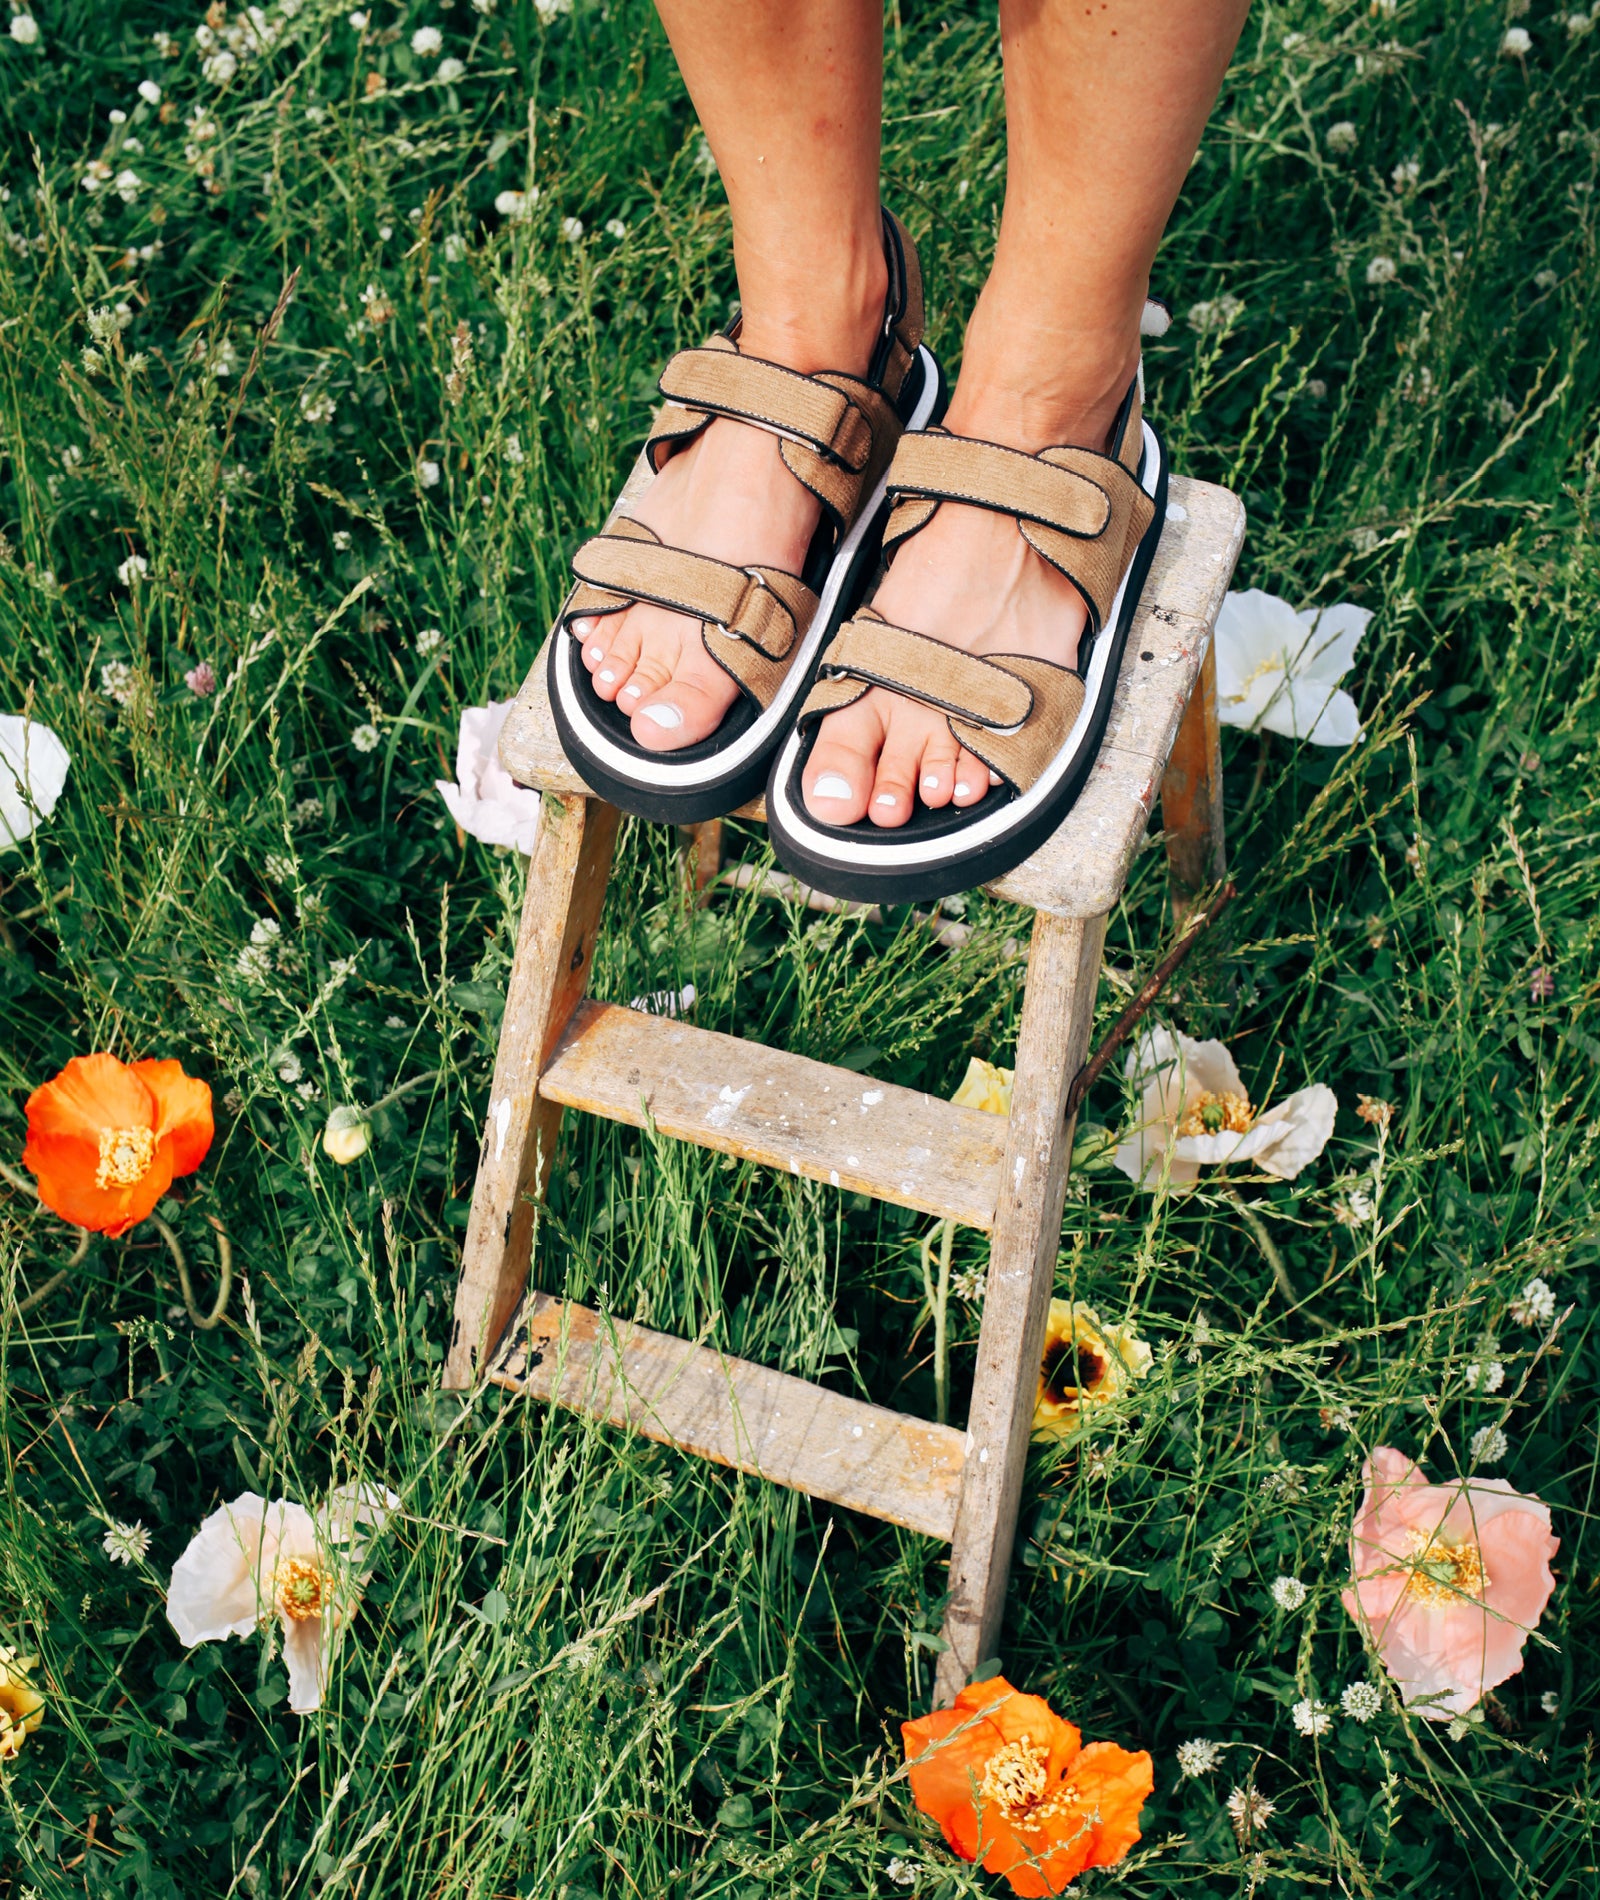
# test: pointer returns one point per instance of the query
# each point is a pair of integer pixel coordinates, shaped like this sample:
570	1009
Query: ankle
826	315
1034	386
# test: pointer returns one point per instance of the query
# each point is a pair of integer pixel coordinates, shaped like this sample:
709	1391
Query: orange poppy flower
1007	1779
106	1138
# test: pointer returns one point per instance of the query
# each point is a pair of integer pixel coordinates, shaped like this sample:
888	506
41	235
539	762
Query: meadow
318	354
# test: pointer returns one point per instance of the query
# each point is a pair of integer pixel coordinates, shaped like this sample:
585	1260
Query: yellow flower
985	1086
347	1136
1086	1363
21	1705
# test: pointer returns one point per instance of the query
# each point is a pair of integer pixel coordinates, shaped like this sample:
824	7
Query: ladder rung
785	1111
735	1413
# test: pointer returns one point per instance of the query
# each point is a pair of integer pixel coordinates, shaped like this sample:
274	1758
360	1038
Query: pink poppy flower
1447	1580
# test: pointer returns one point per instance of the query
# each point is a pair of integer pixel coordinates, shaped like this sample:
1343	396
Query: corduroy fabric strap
722	382
1019	757
873	650
743	602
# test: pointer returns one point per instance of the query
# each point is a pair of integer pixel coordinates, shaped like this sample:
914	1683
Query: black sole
966	870
717	797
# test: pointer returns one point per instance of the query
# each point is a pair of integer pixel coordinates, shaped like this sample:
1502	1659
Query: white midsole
664	774
884	849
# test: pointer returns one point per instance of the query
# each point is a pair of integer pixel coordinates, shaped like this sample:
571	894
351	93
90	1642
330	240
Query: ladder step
730	1411
785	1111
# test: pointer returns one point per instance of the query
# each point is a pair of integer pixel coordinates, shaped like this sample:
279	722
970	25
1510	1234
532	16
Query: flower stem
939	1304
405	1088
206	1322
41	1293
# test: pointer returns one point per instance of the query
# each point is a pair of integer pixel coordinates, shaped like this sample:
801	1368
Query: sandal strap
1083	512
761	606
722	381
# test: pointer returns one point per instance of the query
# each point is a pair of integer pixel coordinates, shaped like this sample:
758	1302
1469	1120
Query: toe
894	789
972	778
837	781
690	705
936	775
611	650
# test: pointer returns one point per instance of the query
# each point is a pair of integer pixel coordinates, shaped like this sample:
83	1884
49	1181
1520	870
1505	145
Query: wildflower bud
347	1136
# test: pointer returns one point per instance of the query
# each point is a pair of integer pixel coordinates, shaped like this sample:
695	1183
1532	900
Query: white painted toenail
994	778
632	692
607	675
963	789
597	653
931	782
886	798
667	717
583	628
830	785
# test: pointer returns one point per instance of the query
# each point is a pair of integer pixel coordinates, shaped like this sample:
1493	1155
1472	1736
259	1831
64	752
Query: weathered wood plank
549	972
1191	791
785	1111
739	1414
1080	871
1057	1015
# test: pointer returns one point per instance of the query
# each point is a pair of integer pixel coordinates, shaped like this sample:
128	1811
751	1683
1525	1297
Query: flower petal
1114	1783
90	1094
1306	1118
64	1171
33	771
215	1588
307	1647
486	802
183	1111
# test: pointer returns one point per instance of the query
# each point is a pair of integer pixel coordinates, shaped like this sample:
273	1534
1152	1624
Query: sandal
1096	519
762	626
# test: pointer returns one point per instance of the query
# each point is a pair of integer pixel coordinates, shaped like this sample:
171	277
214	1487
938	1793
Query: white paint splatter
1017	1171
855	1431
501	1112
727	1106
870	1098
833	1177
1176	511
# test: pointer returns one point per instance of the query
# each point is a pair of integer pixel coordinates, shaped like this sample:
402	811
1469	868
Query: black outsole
716	798
965	871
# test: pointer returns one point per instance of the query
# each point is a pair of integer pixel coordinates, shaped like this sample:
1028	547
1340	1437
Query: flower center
125	1156
1210	1114
1015	1779
301	1589
1444	1572
1073	1370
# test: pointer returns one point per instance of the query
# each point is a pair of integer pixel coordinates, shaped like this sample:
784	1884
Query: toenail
963	789
632	692
668	717
583	628
994	778
931	782
607	675
597	653
830	785
886	798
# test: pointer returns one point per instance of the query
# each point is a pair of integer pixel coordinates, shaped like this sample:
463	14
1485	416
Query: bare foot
970	579
729	495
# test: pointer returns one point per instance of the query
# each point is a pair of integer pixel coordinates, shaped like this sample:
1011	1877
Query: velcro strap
944	467
723	383
973	689
734	598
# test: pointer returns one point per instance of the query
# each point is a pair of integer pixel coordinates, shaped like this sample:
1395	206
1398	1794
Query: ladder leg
1191	790
549	974
1057	1014
702	854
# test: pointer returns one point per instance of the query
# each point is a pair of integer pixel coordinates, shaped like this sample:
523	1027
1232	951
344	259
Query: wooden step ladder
559	1050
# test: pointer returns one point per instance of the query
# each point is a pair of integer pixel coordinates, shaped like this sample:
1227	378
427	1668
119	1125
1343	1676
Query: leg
1057	1014
1191	791
549	972
789	92
1105	107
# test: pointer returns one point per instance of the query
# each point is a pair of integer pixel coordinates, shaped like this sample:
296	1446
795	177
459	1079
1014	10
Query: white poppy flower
1196	1113
33	770
251	1560
485	800
1278	670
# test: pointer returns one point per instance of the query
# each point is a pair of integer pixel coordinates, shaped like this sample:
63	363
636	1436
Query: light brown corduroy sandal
762	626
1096	519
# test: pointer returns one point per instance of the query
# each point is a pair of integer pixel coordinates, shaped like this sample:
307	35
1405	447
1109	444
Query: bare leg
1105	104
789	93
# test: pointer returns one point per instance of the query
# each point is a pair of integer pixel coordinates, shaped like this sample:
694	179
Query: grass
585	1665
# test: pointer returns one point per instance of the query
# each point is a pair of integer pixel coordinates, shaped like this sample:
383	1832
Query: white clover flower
1249	1810
1310	1717
279	867
365	738
1487	1376
483	6
359	19
513	449
265	930
450	70
288	1066
316	405
116	681
1215	313
126	1543
341	540
149	92
1578	24
428	473
1361	1701
426	41
1501	411
1516	43
1405	175
455	247
24	29
429	640
549	10
1198	1757
1550	1702
127	185
615	228
572	229
1340	1418
1341	137
219	68
1535	1305
133	570
1288	1593
307	811
1545	280
1381	270
1488	1445
904	1873
254	963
